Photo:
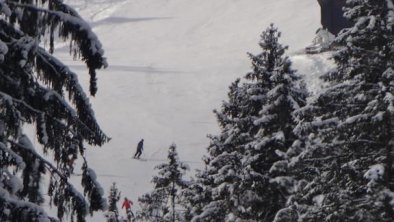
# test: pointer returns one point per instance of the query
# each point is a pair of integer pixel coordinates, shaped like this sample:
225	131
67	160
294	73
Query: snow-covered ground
171	62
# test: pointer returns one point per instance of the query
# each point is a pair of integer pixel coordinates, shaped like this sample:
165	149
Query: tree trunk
173	201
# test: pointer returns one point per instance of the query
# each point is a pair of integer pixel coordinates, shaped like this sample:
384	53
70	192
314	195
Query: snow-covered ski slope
170	65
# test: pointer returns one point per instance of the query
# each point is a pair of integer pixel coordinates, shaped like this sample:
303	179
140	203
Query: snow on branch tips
69	26
93	189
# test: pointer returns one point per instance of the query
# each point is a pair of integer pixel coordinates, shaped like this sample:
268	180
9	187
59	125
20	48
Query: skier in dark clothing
140	147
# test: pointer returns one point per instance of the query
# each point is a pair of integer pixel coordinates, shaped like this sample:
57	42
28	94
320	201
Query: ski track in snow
170	65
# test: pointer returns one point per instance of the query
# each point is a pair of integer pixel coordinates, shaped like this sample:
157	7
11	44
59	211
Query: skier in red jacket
127	205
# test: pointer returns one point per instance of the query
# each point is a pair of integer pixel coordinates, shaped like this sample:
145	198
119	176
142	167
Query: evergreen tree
194	196
163	203
217	187
264	190
113	198
346	157
256	124
264	184
38	89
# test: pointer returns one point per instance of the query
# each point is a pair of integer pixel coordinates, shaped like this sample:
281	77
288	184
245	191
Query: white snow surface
170	64
375	172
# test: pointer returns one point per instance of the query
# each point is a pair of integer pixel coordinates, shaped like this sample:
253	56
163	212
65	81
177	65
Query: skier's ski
141	159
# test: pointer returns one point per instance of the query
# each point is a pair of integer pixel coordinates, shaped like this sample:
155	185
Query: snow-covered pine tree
38	89
163	203
347	159
256	122
217	186
264	186
113	198
194	196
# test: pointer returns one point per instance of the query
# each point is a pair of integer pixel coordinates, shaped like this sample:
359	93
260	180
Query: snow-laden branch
83	26
67	24
48	65
24	207
49	165
18	159
73	192
40	112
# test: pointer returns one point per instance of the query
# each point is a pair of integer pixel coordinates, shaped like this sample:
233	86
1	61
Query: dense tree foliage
345	159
